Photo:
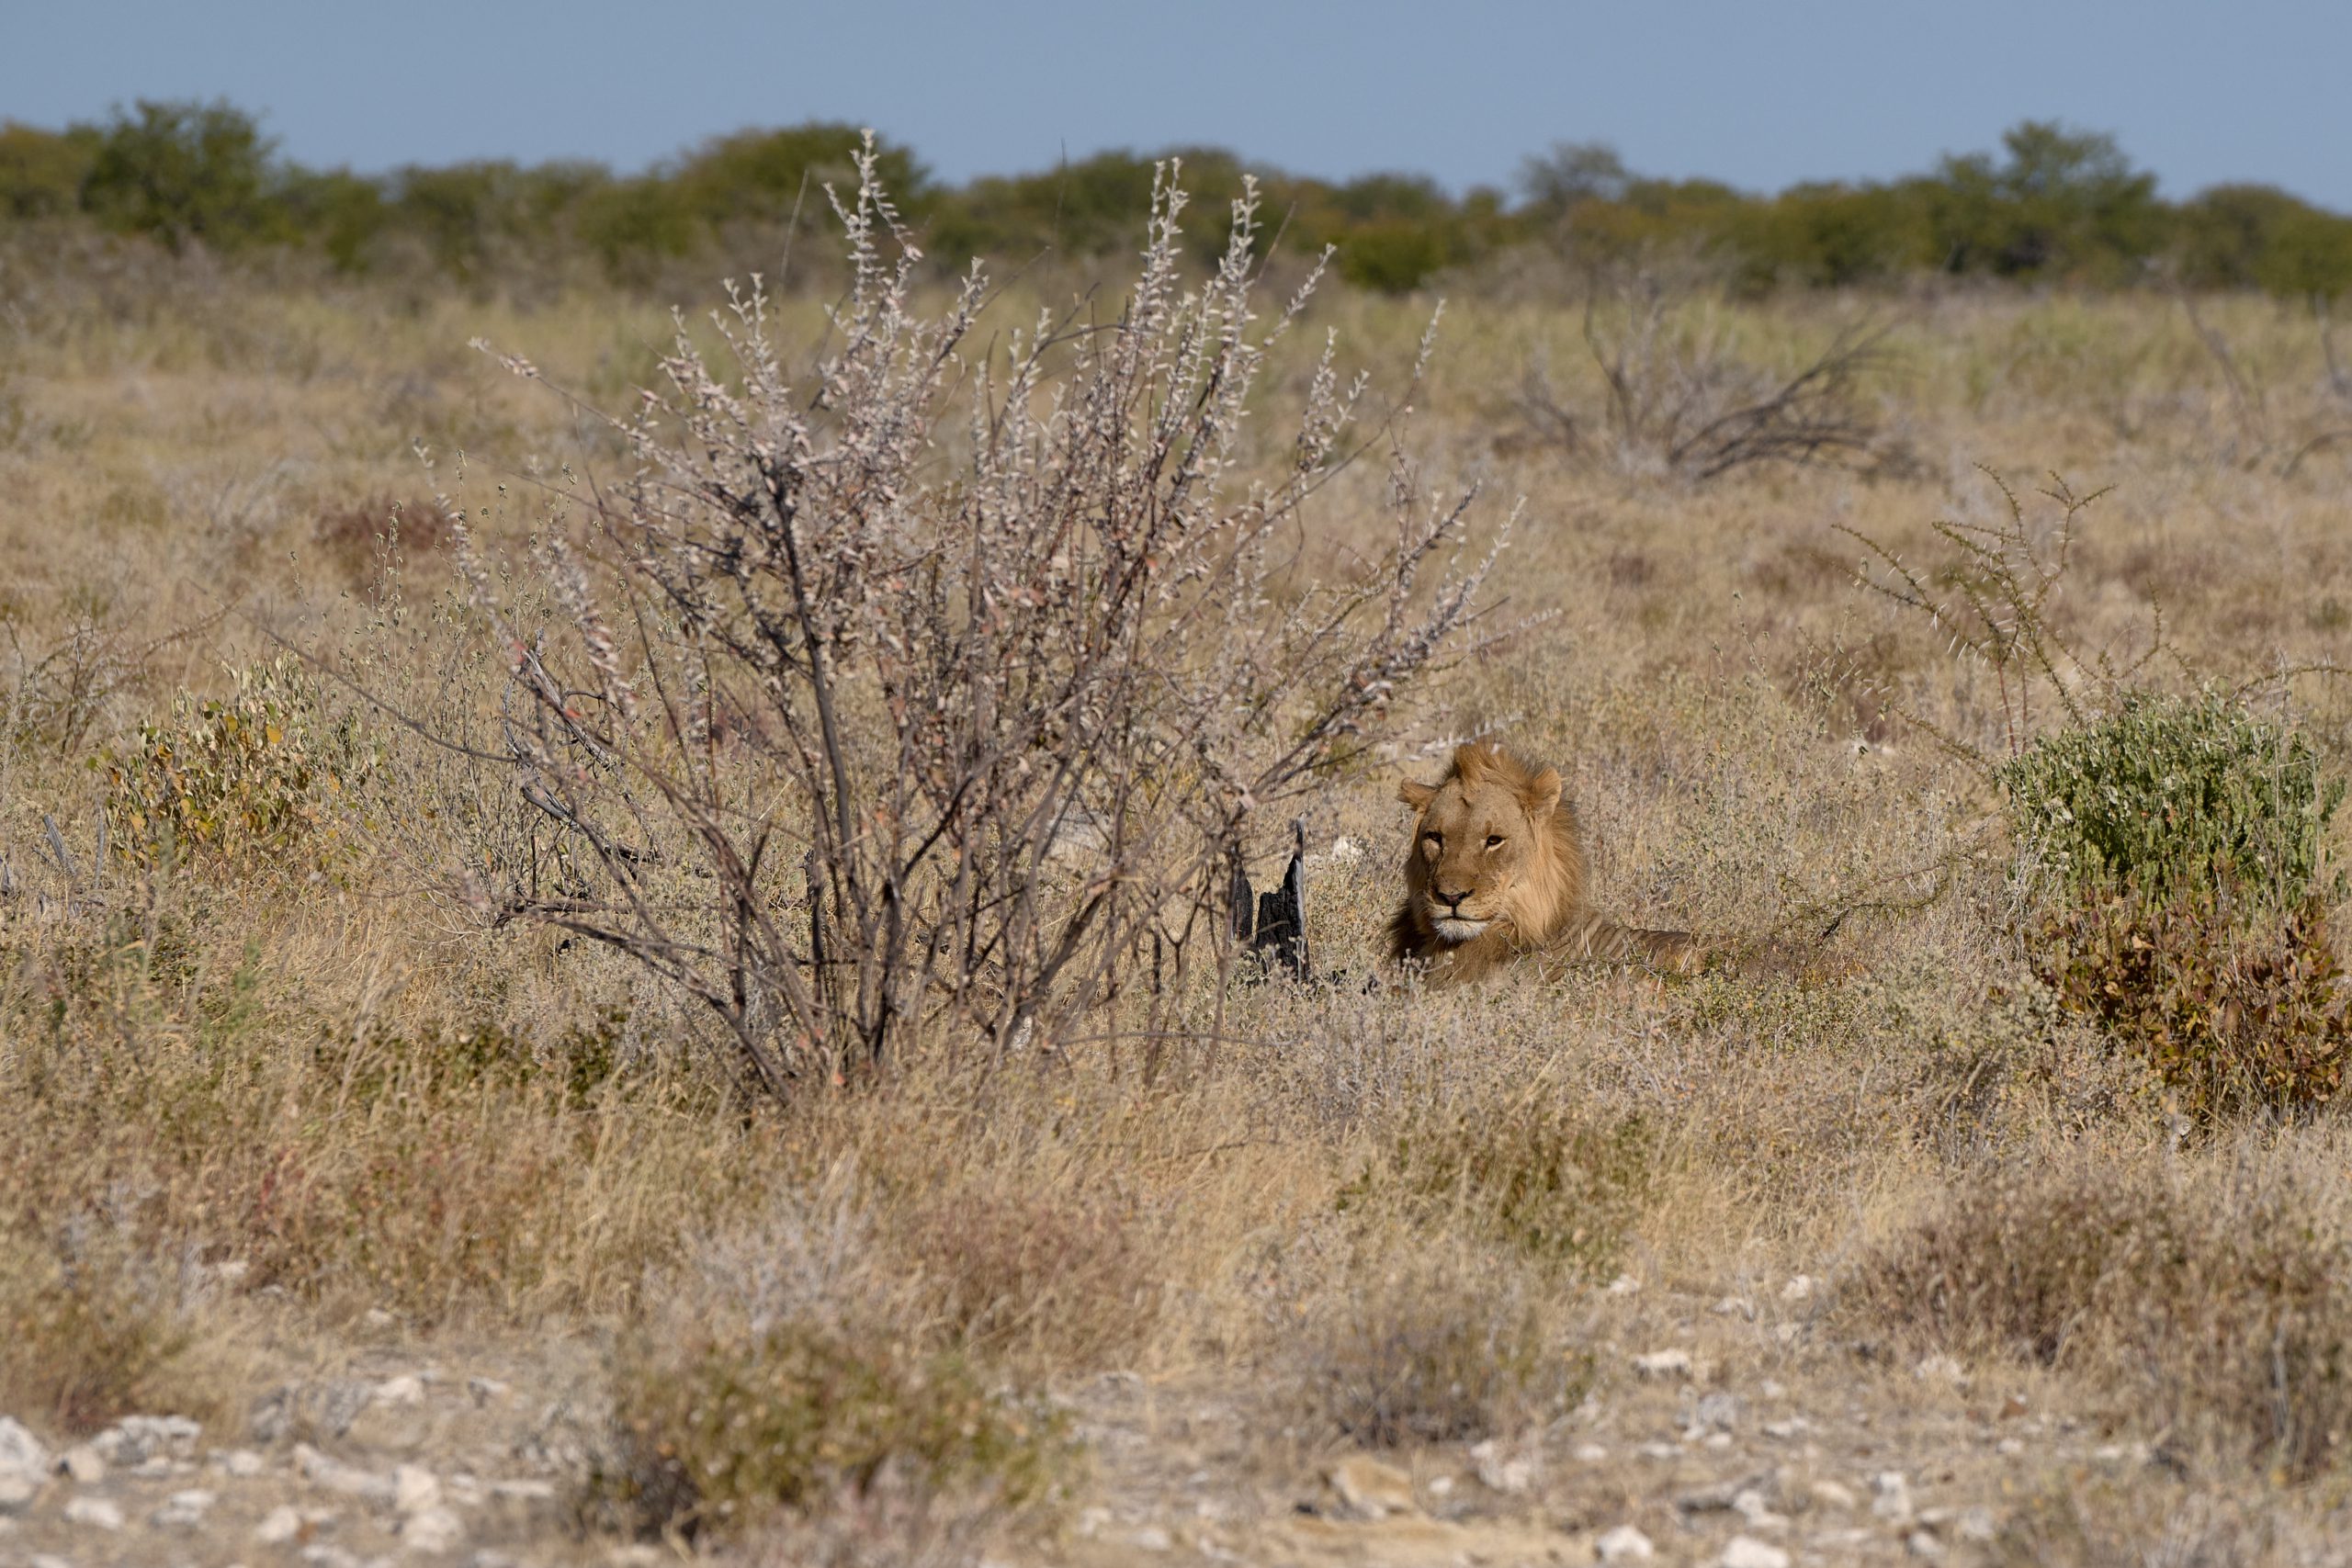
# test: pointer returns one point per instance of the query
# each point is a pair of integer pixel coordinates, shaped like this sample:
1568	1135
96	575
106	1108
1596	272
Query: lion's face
1482	849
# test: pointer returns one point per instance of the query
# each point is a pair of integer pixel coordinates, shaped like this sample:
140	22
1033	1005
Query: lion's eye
1494	841
1434	841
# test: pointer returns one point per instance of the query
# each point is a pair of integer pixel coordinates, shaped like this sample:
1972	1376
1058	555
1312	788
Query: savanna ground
1887	1255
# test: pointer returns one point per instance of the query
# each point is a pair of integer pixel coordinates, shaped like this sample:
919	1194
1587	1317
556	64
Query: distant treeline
2055	205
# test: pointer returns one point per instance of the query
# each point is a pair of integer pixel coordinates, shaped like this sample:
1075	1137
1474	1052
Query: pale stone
1798	1289
415	1489
1891	1496
278	1527
1624	1544
16	1492
1663	1364
1747	1551
433	1530
1834	1494
82	1464
95	1512
21	1452
406	1388
1502	1469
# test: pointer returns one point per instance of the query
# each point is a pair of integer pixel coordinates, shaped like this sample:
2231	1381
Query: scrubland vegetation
694	876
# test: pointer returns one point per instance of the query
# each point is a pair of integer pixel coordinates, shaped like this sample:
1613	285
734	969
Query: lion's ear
1542	794
1416	794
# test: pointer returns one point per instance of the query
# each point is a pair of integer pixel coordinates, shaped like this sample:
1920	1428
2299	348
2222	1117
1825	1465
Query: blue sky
1759	94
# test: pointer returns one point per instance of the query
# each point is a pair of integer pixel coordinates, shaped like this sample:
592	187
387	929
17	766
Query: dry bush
1426	1338
870	748
379	533
787	1367
2236	1006
2219	1307
93	1328
1544	1175
716	1432
1680	400
2103	1524
1069	1280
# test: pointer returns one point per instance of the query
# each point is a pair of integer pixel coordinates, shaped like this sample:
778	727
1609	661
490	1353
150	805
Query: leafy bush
2234	1012
1536	1176
2176	850
717	1433
242	781
2172	798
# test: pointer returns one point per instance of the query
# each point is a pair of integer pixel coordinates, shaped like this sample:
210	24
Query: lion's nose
1451	900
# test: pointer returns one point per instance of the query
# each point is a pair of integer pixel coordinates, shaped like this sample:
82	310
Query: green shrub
718	1433
242	782
1548	1180
2176	850
2171	797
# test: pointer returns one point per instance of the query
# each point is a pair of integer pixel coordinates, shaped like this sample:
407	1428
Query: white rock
21	1452
487	1391
434	1530
1736	1306
1719	1411
183	1509
1503	1470
1941	1369
174	1436
1747	1551
278	1527
1624	1285
1924	1544
1785	1429
2008	1447
1749	1504
1798	1289
1890	1497
1624	1544
1346	850
95	1512
16	1492
82	1464
1663	1364
406	1388
1589	1453
337	1476
415	1489
1834	1494
242	1463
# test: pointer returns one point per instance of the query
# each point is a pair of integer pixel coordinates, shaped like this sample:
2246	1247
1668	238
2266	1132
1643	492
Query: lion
1497	875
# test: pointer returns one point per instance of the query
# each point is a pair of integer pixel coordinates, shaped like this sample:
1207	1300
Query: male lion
1497	874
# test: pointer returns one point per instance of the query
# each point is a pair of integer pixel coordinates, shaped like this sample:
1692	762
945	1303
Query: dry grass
1391	1217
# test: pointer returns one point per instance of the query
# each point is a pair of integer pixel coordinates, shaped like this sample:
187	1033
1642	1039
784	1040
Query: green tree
2064	204
185	172
41	171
